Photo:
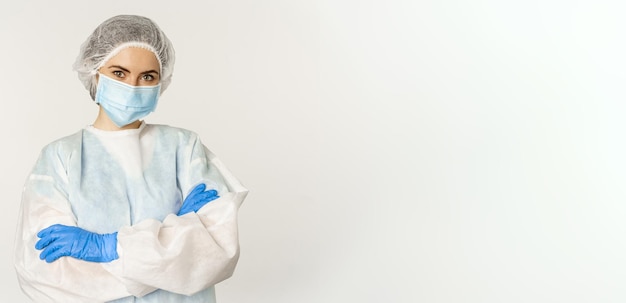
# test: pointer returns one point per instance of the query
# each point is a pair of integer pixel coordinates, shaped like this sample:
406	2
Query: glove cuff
110	251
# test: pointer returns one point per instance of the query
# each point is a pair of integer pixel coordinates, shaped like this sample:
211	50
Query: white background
396	151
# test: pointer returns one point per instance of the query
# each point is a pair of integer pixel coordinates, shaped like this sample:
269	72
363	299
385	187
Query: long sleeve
188	253
45	202
133	183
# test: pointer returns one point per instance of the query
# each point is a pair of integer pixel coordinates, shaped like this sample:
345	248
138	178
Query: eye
118	73
147	77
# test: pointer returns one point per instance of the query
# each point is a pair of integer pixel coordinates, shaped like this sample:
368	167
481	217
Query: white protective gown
133	182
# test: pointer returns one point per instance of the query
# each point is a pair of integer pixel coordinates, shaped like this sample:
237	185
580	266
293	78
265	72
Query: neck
104	123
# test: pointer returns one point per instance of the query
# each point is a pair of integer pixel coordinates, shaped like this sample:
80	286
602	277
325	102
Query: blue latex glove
197	198
59	240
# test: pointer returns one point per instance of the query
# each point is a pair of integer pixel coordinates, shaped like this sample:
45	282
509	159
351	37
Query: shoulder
58	153
65	144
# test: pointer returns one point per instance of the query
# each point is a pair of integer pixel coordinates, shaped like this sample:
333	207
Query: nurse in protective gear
122	210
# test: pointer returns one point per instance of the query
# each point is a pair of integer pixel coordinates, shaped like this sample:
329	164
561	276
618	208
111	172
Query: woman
122	210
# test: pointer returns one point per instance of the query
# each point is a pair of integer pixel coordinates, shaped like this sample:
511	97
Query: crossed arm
59	240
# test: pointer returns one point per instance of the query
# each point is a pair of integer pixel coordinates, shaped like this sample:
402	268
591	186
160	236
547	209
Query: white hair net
116	34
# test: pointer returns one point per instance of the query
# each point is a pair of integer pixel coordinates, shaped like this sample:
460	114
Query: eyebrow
118	67
126	70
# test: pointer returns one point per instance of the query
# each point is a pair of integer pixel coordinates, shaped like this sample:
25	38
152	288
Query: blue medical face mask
123	103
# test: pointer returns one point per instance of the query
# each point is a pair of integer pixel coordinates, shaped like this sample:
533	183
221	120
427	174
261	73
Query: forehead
135	59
